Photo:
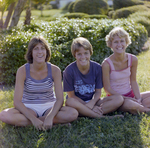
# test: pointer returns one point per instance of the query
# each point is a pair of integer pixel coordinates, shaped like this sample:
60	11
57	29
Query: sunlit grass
130	132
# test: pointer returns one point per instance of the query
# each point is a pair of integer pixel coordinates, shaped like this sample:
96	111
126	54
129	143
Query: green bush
70	7
142	18
66	6
95	16
91	6
75	15
110	14
60	34
118	4
125	12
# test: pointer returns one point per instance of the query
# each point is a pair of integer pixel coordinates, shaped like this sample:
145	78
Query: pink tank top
120	79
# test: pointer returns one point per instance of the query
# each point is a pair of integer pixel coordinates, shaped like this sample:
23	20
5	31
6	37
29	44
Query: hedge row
84	15
89	6
142	18
60	34
125	12
117	4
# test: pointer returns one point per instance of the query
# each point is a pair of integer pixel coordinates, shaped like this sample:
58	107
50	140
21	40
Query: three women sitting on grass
34	99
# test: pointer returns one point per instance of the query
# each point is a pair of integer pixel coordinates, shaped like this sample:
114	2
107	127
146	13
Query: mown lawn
132	131
36	14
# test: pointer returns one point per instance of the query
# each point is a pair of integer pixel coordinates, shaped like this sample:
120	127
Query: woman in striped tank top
35	101
119	73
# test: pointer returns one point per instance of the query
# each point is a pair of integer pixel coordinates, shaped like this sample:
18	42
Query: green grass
36	14
132	131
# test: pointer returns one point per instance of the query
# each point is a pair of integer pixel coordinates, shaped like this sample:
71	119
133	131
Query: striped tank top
38	91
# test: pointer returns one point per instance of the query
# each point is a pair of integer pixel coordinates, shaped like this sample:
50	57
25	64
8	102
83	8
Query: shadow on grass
128	132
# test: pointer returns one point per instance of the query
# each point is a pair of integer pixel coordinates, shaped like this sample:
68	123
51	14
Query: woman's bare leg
146	99
110	103
65	115
133	107
82	109
14	117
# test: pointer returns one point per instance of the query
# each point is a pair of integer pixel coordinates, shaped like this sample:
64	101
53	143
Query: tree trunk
17	13
28	15
11	8
1	23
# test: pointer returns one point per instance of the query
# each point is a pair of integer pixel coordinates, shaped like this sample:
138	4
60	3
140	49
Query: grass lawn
132	131
36	14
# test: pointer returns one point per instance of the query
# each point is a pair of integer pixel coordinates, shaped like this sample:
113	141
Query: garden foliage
60	34
117	4
125	12
84	15
142	18
91	6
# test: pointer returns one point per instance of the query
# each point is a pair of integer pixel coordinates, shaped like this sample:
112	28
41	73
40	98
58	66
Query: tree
3	6
10	11
17	12
28	13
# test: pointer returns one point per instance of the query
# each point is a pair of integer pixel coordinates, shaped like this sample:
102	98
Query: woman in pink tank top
119	73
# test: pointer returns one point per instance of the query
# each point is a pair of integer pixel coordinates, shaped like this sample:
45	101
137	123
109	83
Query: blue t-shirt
83	85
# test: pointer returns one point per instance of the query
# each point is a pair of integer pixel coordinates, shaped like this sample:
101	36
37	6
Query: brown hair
81	42
33	42
117	31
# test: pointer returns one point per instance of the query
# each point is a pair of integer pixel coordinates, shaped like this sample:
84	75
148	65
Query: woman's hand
38	124
98	110
48	123
134	99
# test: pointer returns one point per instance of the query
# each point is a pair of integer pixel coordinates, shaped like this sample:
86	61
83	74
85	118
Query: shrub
142	18
91	6
95	16
60	34
66	6
70	7
111	13
125	12
118	4
75	15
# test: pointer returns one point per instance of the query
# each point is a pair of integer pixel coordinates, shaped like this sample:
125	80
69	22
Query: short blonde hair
117	31
81	42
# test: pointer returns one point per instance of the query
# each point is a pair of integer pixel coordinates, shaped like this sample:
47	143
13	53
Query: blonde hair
120	32
81	42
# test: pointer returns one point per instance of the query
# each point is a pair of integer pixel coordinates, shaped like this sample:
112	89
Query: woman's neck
38	67
119	57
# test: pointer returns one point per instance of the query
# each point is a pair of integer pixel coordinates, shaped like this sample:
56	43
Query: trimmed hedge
125	12
70	7
84	15
142	18
75	15
91	6
60	34
118	4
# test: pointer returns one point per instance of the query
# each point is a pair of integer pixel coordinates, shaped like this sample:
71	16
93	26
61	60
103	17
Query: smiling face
39	53
82	57
119	44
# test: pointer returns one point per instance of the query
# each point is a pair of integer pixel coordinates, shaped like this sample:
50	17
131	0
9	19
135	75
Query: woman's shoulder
55	68
21	72
22	68
133	57
106	61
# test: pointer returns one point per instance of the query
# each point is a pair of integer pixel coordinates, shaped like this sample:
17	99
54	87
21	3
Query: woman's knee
73	114
5	116
119	100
